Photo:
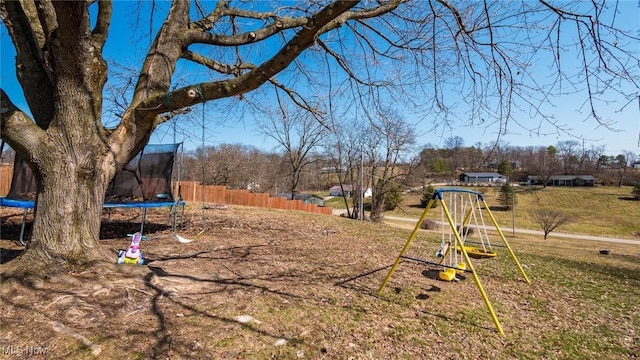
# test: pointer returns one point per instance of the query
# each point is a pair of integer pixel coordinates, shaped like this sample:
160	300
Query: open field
270	284
601	211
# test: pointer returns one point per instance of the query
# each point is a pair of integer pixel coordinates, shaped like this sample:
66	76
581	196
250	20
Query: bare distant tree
389	144
623	162
236	166
474	158
298	133
546	165
455	146
549	220
343	150
568	154
591	158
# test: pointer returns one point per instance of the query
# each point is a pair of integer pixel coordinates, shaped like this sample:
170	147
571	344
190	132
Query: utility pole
513	213
361	186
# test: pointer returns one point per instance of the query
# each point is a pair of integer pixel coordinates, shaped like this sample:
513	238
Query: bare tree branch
35	73
103	21
216	65
251	80
20	132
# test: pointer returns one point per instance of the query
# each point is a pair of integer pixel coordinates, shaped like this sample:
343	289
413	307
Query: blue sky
624	134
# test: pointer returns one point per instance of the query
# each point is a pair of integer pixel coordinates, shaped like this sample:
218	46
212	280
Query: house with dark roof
347	191
305	198
562	180
483	178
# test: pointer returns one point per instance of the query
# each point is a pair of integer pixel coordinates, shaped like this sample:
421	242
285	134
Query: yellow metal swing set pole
459	245
504	240
476	279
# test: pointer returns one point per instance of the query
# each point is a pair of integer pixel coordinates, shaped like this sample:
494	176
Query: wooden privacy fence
6	171
192	191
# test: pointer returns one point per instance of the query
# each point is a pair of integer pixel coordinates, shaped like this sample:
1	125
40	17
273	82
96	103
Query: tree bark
377	204
67	219
67	151
72	173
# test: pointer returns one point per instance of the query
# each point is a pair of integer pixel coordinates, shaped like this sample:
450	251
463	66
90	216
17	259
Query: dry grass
601	211
265	284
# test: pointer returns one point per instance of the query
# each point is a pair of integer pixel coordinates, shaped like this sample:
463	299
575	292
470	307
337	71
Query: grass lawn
275	284
601	211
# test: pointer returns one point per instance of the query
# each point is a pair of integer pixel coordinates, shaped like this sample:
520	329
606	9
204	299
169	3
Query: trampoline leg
182	217
173	216
144	217
24	220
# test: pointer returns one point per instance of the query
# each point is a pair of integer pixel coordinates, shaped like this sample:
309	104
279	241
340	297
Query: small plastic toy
132	255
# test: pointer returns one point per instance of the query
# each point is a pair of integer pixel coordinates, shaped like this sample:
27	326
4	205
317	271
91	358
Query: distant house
306	198
333	170
482	178
313	199
562	180
347	190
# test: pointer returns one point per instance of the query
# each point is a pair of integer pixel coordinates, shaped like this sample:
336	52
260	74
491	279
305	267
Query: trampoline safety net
146	178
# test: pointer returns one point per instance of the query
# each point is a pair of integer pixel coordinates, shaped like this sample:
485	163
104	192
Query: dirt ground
264	284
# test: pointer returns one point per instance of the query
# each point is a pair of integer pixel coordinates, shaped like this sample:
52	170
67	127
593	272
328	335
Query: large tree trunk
73	168
377	204
71	159
67	219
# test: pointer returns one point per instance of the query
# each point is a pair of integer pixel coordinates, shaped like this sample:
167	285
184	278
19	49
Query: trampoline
145	182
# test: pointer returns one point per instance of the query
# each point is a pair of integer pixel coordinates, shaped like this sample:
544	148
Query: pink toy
132	255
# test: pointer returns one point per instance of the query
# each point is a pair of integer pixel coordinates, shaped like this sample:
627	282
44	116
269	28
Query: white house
347	190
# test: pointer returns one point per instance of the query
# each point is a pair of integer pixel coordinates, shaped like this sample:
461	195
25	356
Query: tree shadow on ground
629	198
155	302
609	270
7	255
500	208
11	230
109	229
418	206
235	252
122	229
164	341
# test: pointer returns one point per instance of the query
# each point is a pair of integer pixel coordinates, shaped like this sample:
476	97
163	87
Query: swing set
461	213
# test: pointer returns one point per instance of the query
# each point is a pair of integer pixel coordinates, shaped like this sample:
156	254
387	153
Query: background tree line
333	162
337	158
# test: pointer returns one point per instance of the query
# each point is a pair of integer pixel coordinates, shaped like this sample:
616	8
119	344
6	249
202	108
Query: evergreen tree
392	199
507	196
426	196
505	168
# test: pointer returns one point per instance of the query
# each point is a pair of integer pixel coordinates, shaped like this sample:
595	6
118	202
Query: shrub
466	231
393	199
426	196
429	224
636	191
